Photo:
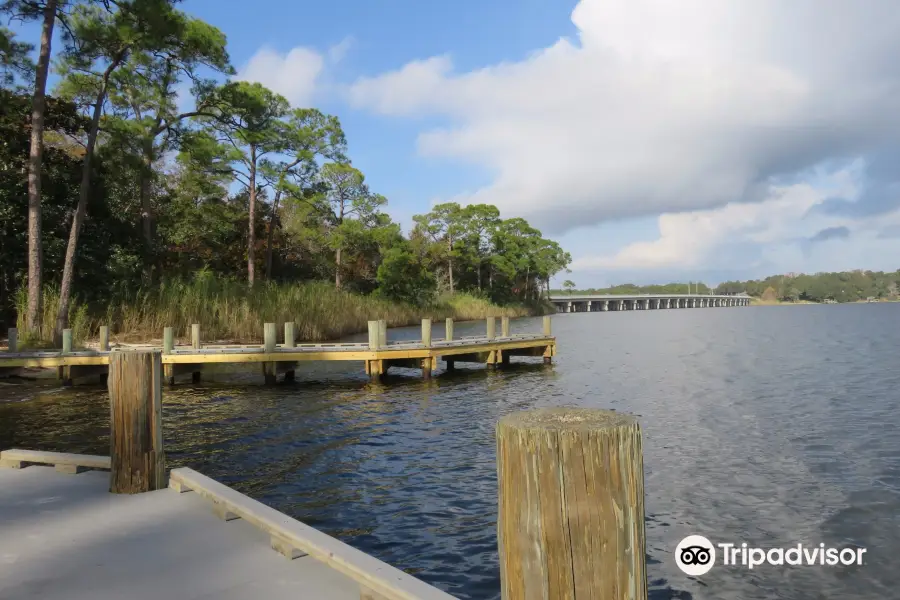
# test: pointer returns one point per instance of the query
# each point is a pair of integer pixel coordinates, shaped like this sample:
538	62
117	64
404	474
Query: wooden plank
55	458
374	574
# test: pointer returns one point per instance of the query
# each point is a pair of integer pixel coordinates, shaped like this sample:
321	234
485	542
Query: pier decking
64	536
378	355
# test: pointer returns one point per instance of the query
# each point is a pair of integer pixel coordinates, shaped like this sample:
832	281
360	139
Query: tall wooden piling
104	338
547	332
12	336
382	333
504	327
138	462
427	362
571	505
270	340
448	330
65	373
195	345
290	338
168	348
491	328
375	367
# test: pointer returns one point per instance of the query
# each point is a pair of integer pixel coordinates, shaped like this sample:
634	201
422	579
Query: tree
403	276
144	100
348	205
99	41
569	286
246	121
14	58
47	14
306	136
443	226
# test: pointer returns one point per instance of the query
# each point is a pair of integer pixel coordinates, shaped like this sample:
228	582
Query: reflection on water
769	425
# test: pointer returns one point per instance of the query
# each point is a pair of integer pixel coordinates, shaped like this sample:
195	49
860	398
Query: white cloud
294	75
662	107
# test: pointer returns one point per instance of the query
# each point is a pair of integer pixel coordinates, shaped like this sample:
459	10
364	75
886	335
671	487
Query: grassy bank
229	310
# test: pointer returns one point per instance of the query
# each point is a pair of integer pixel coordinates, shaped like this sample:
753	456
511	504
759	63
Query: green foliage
847	286
401	276
153	186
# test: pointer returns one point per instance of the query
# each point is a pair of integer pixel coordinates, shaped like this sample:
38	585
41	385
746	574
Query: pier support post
548	330
448	330
504	327
427	362
374	368
270	338
65	373
12	336
382	333
138	462
490	328
571	505
195	344
290	338
168	347
104	338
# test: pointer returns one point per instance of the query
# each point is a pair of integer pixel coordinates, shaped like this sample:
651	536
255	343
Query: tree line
845	286
109	185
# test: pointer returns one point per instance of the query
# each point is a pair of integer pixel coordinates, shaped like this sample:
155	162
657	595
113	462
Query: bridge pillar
568	307
590	306
604	305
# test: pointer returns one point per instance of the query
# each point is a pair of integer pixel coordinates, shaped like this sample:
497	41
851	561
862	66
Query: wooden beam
138	462
366	570
168	347
17	459
571	505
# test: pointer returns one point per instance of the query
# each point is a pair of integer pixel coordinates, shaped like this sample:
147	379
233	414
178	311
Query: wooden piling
290	338
65	373
426	333
168	348
382	333
138	462
547	329
270	340
448	330
104	338
373	335
195	344
571	505
12	336
504	327
491	328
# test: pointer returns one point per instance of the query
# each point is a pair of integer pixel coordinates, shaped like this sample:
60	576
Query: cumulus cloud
689	109
294	74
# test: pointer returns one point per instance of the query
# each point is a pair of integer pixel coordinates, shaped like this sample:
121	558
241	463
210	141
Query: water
772	426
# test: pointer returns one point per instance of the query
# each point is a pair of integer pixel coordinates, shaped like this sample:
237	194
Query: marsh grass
229	310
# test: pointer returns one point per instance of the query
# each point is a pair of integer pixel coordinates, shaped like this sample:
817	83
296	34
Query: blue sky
657	141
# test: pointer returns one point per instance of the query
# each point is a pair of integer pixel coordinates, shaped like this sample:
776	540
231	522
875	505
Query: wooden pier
570	524
281	356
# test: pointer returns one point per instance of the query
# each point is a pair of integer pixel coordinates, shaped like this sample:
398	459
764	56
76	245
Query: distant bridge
605	302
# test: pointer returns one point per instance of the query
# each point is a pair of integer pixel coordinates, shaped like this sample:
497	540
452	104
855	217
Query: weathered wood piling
137	458
571	505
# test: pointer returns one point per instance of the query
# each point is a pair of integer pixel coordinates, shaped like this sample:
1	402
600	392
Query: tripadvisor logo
696	555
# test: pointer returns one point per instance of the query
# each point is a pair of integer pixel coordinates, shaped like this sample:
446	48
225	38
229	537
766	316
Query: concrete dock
64	536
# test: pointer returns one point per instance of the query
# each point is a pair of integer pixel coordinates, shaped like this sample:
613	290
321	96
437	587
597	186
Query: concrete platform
65	537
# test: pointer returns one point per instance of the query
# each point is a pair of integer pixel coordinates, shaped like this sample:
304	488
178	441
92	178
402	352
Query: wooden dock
570	520
281	356
64	536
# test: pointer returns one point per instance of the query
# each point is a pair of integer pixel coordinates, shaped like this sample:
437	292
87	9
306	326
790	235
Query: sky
657	141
